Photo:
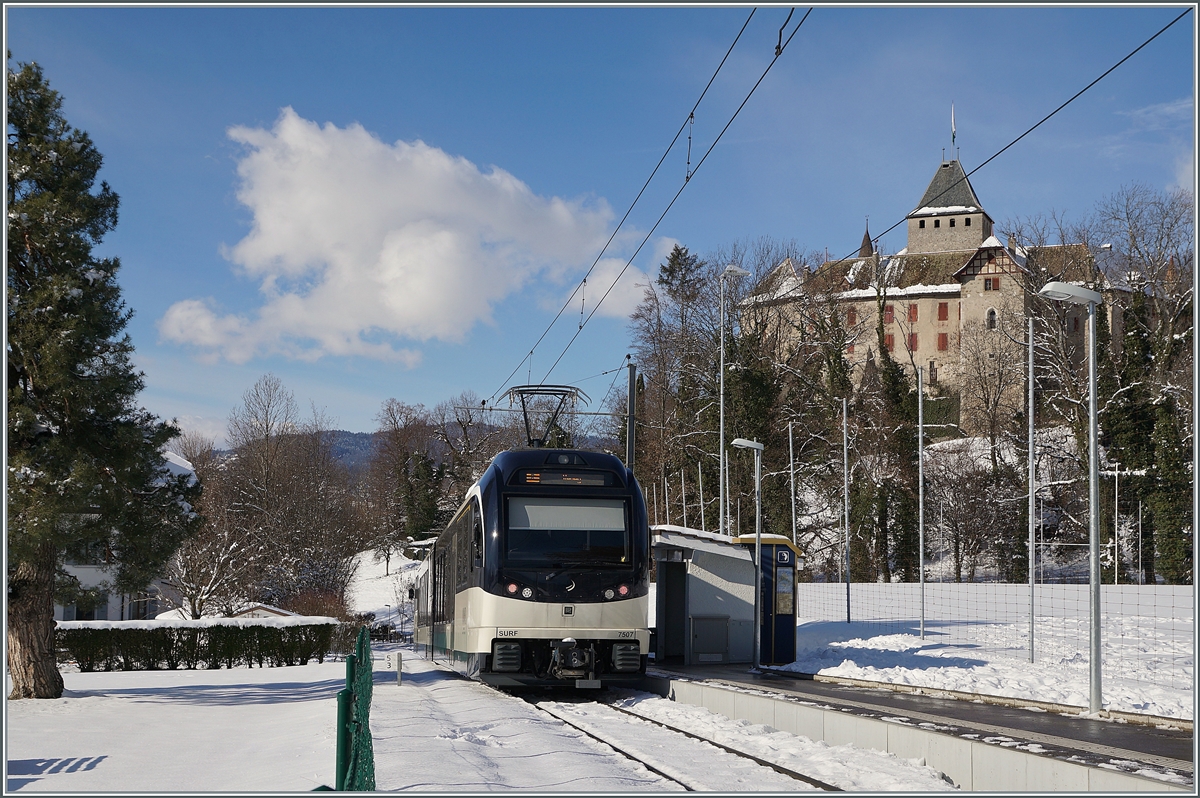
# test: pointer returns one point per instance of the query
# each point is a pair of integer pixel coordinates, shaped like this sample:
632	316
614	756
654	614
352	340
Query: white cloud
358	244
624	296
1162	116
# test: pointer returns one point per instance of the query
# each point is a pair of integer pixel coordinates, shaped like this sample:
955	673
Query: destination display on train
587	479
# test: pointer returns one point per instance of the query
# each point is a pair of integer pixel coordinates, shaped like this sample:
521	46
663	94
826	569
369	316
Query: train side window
462	556
477	536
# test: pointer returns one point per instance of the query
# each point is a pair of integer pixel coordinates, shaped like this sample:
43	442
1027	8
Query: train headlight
623	590
609	594
512	588
527	592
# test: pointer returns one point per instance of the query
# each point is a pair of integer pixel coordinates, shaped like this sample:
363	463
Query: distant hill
352	449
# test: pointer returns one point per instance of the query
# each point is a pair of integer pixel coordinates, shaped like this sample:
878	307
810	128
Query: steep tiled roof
949	188
896	271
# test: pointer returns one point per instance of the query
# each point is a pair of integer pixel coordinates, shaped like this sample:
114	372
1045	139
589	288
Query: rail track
603	722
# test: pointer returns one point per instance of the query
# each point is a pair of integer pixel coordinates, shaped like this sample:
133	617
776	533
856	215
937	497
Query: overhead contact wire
699	163
671	146
1043	120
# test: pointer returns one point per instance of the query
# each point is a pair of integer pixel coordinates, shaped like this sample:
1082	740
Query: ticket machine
778	598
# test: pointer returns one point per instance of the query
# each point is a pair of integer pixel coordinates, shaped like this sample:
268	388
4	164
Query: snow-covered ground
272	729
977	641
976	638
236	730
440	732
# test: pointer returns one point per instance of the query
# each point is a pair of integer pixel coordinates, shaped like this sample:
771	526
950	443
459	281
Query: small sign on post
394	659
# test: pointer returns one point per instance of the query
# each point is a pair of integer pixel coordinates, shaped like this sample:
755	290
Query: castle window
889	342
991	319
921	224
937	222
851	317
991	284
912	342
849	349
889	314
912	312
967	222
951	222
943	311
933	372
1076	324
943	342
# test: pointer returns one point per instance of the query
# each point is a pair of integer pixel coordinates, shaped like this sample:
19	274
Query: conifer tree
85	463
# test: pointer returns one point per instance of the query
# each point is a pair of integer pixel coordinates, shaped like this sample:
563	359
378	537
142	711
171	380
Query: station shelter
704	599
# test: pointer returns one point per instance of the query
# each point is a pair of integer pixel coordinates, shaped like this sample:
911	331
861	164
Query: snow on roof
174	623
177	466
698	539
852	272
991	241
912	290
935	210
658	529
257	607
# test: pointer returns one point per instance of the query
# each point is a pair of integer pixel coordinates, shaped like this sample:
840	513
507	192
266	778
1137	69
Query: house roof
894	271
267	608
949	190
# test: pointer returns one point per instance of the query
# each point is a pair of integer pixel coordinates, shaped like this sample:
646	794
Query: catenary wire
671	146
1039	124
699	163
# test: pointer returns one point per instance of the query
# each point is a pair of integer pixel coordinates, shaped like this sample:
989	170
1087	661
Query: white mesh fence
1147	631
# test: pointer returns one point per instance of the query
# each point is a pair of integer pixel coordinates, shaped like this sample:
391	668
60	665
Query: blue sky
393	202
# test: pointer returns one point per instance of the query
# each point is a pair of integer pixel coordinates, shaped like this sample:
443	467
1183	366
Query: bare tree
212	568
992	377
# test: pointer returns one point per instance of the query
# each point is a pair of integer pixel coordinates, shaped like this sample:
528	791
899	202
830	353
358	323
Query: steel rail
676	778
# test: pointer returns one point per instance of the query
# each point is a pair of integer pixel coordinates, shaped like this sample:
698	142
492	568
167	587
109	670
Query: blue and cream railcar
542	577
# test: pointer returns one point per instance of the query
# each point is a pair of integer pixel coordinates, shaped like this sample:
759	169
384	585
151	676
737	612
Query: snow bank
294	620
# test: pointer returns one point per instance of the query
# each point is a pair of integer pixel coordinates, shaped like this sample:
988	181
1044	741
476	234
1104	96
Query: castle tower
949	218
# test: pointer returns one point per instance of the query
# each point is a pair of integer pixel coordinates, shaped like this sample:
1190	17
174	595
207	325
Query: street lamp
742	443
1078	295
730	271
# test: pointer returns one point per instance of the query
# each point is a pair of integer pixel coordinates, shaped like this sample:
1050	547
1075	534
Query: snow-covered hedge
208	642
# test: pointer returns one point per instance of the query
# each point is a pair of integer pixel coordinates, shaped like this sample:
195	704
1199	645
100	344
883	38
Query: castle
954	301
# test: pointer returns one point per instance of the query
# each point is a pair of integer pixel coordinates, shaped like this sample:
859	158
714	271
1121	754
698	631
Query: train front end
565	595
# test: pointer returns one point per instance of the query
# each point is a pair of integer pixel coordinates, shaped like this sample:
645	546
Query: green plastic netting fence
355	753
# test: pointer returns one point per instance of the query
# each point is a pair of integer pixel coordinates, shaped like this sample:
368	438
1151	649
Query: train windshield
567	531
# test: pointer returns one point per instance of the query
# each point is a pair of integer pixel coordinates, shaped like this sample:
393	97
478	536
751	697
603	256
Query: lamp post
730	271
1078	295
742	443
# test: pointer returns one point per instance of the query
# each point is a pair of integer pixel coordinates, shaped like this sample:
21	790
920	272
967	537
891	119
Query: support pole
792	473
921	490
700	482
758	564
846	498
723	476
1095	699
630	423
1032	457
683	497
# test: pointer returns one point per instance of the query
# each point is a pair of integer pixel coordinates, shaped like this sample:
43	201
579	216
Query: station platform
1086	740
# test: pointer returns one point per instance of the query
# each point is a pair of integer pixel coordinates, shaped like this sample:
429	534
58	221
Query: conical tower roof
949	188
867	249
